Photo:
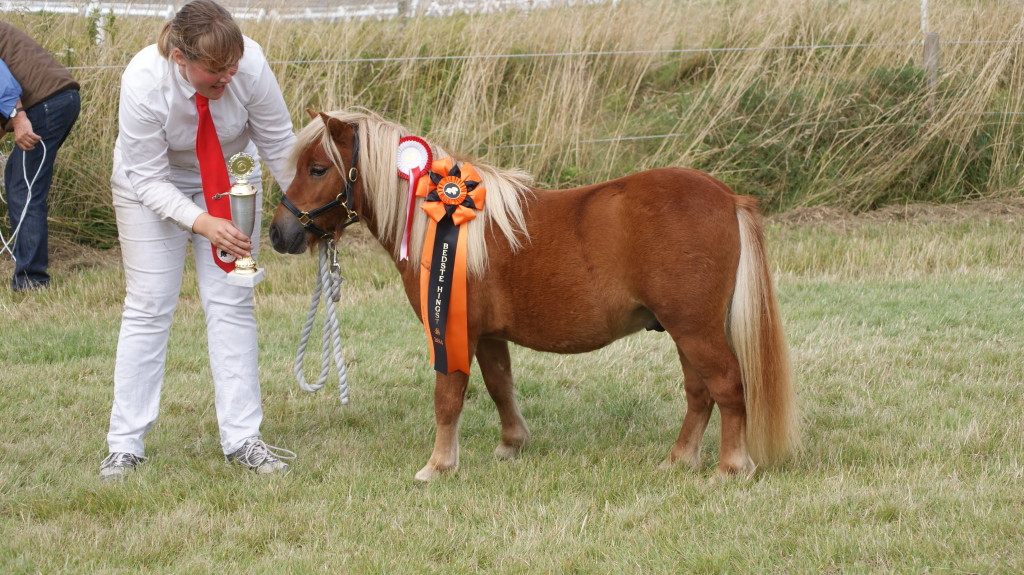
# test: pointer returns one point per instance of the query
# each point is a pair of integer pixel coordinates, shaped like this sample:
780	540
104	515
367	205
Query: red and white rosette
414	160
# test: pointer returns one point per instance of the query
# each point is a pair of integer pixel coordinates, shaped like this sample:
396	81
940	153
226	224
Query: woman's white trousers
154	251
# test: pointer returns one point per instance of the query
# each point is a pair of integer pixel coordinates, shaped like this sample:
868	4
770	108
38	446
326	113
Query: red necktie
214	174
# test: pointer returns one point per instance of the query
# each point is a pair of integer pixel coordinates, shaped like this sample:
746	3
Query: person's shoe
117	465
256	455
26	286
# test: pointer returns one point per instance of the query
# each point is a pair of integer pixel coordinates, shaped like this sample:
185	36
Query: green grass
906	343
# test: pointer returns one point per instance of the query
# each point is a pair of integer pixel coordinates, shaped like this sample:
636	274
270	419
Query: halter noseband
344	199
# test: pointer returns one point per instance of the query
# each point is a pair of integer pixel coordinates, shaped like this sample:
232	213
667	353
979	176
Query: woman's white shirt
155	152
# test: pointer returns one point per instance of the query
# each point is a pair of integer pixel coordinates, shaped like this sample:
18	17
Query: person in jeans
158	197
39	103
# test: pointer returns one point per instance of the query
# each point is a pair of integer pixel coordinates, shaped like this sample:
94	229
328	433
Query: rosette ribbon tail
414	178
451	202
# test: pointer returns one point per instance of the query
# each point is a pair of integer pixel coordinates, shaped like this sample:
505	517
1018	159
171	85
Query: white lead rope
328	282
7	245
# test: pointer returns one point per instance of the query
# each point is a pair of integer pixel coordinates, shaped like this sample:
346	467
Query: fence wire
671	51
313	9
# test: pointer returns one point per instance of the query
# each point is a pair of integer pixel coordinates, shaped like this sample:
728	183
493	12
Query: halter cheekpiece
344	199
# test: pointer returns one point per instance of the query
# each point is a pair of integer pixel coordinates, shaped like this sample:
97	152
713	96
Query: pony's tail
755	332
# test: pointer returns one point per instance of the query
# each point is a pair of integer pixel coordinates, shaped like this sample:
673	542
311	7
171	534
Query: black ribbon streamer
446	241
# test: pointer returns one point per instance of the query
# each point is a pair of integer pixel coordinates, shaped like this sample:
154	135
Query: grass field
905	332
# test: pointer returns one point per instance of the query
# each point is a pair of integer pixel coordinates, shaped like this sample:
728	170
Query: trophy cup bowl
242	197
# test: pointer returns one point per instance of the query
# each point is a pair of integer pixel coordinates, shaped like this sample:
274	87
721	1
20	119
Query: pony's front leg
449	395
496	367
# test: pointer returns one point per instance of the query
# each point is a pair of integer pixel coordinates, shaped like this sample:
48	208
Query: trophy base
245	280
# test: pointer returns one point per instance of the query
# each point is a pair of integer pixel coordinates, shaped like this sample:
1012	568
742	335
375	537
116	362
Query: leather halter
344	199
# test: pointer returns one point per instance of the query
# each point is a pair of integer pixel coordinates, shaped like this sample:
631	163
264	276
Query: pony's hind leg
713	361
686	449
496	368
449	396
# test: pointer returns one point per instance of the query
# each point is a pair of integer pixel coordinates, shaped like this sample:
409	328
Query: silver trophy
243	213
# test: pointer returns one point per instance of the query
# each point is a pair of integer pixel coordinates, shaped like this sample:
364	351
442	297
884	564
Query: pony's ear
335	126
312	114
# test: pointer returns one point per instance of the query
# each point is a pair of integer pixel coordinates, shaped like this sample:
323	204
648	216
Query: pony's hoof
691	461
427	474
430	473
507	451
669	465
727	474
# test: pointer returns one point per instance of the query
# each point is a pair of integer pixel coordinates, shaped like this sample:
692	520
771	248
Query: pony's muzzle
287	236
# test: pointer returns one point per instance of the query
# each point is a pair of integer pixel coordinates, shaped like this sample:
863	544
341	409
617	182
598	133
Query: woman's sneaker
256	455
116	465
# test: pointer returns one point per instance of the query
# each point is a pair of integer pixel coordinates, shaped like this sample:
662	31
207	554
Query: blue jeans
52	119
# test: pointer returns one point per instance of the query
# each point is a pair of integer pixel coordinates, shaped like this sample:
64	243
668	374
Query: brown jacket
39	73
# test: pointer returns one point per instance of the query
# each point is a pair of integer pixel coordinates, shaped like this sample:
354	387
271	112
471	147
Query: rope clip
335	270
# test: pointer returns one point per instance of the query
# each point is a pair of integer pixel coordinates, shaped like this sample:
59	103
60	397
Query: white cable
8	244
328	281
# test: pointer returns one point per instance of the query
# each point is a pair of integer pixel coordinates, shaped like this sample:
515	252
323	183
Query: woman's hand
223	234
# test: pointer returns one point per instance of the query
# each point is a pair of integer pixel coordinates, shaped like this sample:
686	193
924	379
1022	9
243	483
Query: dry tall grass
573	94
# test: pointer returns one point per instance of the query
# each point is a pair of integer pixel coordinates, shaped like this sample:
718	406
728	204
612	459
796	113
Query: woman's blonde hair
205	33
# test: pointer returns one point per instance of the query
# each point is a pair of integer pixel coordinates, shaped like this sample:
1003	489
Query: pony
569	271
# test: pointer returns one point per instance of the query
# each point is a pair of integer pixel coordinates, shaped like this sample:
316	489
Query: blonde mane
386	192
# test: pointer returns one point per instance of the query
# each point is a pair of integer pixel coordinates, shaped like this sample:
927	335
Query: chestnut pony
570	271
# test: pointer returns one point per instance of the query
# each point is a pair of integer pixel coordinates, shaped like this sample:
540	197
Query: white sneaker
118	464
256	455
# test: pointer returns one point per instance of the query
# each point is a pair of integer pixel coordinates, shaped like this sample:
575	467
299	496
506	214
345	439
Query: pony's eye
317	171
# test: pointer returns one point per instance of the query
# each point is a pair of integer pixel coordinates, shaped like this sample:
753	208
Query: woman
201	56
